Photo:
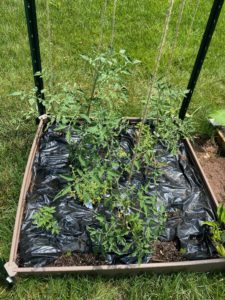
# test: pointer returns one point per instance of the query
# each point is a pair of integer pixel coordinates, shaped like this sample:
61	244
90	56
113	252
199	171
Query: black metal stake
30	10
207	36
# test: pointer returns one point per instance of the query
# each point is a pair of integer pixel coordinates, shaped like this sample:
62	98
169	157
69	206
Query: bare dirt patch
166	251
79	259
212	161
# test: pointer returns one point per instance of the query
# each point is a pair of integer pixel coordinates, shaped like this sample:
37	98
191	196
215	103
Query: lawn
73	28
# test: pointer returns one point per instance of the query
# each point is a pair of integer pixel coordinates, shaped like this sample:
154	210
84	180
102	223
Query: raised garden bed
189	187
149	205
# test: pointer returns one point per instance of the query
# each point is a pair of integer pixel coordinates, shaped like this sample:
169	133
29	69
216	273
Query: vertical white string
192	23
181	9
50	58
152	81
102	22
158	59
96	72
113	23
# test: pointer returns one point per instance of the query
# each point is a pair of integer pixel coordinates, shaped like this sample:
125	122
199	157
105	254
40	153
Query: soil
78	259
163	252
166	252
212	161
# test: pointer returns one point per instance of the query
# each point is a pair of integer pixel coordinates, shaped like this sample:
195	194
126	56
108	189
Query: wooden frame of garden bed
220	138
13	269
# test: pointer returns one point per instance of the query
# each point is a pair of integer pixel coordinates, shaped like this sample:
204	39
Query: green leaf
85	57
100	218
86	118
122	51
221	250
221	213
37	74
210	223
67	178
82	162
44	218
68	136
64	192
222	236
218	117
16	94
60	127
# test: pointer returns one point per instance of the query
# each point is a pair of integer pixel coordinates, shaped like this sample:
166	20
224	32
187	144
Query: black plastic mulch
179	188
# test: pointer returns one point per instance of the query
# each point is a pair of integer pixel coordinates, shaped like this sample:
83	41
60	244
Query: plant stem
93	91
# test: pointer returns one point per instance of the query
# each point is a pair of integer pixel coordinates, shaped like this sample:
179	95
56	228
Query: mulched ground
78	259
163	252
166	252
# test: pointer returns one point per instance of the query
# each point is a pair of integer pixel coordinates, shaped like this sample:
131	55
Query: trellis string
192	23
102	22
152	81
113	24
181	9
96	72
50	58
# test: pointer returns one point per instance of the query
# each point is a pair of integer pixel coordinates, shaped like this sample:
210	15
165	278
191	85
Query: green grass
75	29
176	287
